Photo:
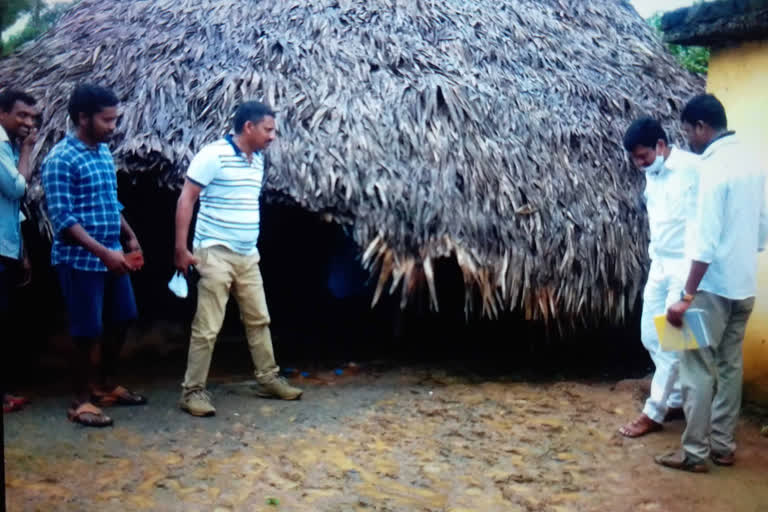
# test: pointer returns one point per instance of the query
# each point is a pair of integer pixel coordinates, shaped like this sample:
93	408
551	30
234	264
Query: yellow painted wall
739	78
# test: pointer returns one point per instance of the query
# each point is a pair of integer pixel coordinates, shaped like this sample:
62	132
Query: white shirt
732	220
670	198
229	201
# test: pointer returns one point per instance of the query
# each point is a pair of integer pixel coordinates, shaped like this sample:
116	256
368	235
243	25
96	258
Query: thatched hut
484	132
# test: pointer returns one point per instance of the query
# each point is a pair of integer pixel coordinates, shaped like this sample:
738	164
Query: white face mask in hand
178	285
656	166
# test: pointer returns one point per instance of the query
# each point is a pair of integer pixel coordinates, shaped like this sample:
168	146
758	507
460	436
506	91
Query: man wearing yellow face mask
670	198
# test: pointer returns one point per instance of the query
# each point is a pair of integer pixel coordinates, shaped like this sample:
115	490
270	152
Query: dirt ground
384	439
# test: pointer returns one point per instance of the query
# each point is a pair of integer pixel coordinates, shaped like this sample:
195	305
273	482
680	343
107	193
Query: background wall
739	78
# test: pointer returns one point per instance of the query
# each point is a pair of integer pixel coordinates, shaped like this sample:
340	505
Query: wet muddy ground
383	439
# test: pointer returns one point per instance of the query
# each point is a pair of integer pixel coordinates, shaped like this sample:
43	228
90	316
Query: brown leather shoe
727	459
680	460
675	413
639	427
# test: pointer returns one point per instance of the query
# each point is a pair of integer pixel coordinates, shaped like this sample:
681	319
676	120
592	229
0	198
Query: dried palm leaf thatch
487	131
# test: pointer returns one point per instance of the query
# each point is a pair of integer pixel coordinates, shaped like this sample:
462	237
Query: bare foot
639	427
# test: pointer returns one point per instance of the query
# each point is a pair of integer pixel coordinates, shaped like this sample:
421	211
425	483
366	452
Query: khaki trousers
223	271
711	378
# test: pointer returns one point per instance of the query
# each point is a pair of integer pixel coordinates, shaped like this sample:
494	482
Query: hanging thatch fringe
485	131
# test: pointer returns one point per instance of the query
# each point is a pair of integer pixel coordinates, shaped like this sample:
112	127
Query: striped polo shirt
229	201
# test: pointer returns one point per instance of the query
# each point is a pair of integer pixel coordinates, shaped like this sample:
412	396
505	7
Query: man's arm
57	183
707	236
698	269
185	207
25	155
114	260
12	184
26	266
128	235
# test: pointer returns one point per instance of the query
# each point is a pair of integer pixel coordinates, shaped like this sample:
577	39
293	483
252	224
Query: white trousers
665	282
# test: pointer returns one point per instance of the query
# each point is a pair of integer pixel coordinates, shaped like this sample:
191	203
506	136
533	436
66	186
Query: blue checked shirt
81	188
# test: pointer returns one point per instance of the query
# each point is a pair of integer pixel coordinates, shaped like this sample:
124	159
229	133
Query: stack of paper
692	336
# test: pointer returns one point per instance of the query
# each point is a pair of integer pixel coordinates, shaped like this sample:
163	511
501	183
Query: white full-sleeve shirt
732	221
670	199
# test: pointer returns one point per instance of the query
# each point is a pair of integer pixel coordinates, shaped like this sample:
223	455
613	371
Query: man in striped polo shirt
227	176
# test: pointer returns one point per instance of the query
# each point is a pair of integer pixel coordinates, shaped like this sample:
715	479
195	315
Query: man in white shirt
731	227
670	197
227	177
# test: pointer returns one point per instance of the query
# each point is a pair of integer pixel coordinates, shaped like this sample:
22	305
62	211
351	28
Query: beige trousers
223	271
711	378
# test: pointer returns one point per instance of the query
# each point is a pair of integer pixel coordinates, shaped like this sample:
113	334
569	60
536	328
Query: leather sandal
680	460
723	459
89	415
118	396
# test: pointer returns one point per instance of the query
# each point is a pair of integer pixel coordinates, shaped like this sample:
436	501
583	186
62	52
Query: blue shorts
95	299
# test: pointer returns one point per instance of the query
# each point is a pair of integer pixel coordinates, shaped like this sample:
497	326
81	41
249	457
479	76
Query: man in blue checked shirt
89	230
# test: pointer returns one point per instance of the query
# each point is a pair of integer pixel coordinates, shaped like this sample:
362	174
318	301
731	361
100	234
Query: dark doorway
320	303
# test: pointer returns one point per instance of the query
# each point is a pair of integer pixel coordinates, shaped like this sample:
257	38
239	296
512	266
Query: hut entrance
318	293
319	298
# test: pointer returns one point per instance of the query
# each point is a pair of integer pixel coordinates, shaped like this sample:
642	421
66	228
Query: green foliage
42	19
692	58
29	33
10	11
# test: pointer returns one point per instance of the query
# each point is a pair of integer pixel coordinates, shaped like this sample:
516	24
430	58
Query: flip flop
118	396
89	415
13	403
11	406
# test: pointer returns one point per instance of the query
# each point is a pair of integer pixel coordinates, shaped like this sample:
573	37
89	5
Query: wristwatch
687	297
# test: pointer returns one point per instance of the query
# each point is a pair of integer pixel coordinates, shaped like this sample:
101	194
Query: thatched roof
717	23
486	131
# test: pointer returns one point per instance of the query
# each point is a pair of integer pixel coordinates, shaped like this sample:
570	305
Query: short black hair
646	132
707	109
252	111
9	97
90	99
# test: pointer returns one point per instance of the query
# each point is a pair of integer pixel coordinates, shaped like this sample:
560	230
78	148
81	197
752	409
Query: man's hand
676	311
30	140
183	259
115	262
132	244
26	268
25	166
